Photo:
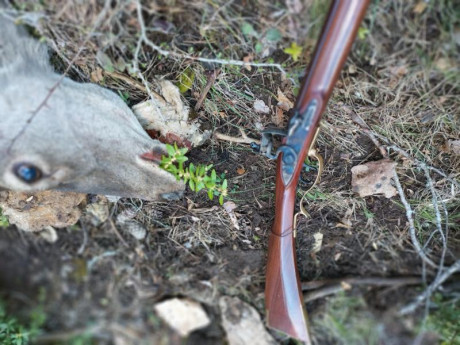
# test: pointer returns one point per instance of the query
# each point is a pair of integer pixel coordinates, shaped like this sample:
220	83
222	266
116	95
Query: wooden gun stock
283	296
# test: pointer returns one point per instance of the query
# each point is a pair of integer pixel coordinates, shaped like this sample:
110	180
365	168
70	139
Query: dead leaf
247	59
167	114
345	286
242	323
278	117
46	208
444	64
454	146
96	75
398	70
352	69
229	206
240	171
420	7
182	315
345	221
294	6
284	102
260	107
374	178
337	256
318	242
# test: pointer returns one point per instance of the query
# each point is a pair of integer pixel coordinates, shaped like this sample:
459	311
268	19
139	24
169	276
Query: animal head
59	134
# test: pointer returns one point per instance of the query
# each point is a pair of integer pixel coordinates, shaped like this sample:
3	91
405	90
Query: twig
94	260
328	287
114	227
64	336
59	81
410	219
168	53
244	139
211	79
422	164
127	80
365	128
433	286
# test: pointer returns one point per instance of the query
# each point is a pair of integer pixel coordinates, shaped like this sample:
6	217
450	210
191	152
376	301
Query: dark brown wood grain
283	295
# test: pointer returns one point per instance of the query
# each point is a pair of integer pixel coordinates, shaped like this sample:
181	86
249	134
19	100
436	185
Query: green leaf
213	176
362	33
186	80
273	35
210	194
248	30
199	186
192	185
224	184
182	159
170	149
221	199
258	48
104	61
294	51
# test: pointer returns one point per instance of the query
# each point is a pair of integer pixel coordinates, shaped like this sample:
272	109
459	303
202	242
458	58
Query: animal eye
27	172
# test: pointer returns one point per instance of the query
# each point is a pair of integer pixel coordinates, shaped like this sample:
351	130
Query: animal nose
154	155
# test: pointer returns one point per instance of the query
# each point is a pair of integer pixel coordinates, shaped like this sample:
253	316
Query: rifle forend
283	295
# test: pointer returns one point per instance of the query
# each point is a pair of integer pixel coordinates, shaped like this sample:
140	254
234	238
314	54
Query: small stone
182	315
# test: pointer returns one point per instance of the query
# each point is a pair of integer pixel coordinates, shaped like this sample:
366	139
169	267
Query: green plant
3	220
198	177
444	320
13	332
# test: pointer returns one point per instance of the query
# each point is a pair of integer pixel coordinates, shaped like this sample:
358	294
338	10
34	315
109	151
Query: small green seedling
198	177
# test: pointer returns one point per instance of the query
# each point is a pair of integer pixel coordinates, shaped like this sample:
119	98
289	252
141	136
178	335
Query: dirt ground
98	284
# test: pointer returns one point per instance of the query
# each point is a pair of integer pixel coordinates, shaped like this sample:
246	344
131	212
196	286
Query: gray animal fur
84	139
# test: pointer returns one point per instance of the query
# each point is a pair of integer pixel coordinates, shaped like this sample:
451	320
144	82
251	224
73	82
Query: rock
242	323
39	210
374	178
183	315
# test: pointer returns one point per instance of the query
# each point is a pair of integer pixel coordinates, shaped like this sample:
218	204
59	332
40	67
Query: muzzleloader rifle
283	296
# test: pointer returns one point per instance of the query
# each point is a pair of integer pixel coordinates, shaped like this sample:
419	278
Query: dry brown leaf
248	59
240	171
420	7
283	102
96	75
374	178
182	315
278	117
229	206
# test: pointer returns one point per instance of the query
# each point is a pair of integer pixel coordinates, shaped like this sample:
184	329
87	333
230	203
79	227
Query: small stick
167	53
410	219
360	122
333	286
211	79
244	139
432	288
376	281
